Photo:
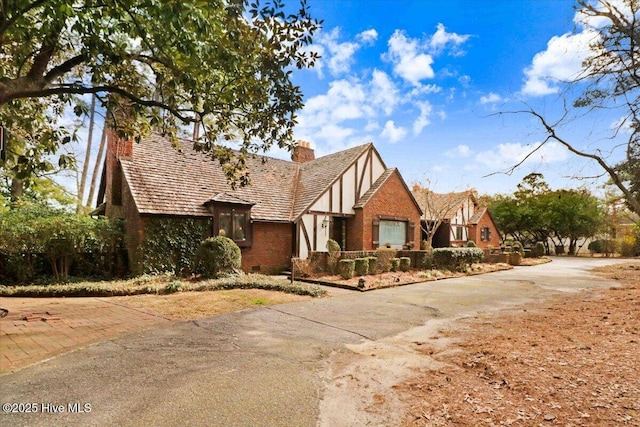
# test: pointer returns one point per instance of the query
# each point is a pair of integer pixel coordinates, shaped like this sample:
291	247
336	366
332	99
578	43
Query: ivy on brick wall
170	245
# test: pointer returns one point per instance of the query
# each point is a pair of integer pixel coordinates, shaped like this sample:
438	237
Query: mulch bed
400	278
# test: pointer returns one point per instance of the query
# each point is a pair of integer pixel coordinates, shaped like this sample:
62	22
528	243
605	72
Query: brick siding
391	200
271	249
475	232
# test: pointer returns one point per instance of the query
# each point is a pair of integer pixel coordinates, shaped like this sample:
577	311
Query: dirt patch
195	305
571	362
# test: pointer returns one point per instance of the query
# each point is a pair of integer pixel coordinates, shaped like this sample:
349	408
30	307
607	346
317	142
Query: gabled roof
382	179
317	175
170	181
441	205
477	216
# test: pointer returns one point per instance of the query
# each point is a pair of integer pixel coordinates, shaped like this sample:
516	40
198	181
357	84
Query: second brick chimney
302	152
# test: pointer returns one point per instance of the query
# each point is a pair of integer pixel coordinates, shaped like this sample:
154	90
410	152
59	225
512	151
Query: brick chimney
119	147
302	152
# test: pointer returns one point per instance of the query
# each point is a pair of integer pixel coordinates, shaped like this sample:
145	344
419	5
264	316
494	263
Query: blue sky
423	80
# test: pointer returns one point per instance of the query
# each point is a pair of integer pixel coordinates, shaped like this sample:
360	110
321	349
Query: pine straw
572	362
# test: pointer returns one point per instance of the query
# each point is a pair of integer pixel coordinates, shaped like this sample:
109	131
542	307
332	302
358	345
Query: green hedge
361	266
346	268
405	263
456	259
373	265
39	242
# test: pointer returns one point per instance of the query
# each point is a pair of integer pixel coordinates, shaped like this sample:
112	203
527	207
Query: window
458	233
396	232
393	233
233	224
485	234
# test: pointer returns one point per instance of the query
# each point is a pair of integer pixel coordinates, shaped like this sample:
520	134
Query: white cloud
409	62
383	92
441	40
512	153
492	98
368	37
393	133
424	118
462	150
345	100
560	62
338	55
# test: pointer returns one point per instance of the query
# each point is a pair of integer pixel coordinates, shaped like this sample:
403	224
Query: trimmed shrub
538	250
373	265
424	260
384	258
456	259
471	244
517	247
404	263
346	268
361	266
218	255
333	249
395	264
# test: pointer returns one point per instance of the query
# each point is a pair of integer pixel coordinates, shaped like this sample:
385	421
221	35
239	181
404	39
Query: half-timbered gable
462	219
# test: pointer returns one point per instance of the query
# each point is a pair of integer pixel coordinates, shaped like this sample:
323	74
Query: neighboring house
290	209
462	219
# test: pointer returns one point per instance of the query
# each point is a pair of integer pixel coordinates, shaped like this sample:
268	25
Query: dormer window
231	218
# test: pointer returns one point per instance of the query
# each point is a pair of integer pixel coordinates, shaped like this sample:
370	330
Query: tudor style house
290	209
462	219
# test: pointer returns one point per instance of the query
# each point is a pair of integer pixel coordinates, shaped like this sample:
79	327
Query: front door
339	231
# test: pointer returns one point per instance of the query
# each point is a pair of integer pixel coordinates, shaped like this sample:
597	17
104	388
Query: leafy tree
609	80
535	213
573	214
34	138
224	65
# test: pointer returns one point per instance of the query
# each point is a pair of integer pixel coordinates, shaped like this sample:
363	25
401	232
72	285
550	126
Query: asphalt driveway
286	365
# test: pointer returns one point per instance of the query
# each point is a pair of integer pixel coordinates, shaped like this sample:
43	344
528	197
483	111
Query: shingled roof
170	181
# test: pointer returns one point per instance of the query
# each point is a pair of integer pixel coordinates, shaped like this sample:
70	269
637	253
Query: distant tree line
535	213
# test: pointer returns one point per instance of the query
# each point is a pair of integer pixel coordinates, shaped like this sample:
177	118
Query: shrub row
455	259
37	241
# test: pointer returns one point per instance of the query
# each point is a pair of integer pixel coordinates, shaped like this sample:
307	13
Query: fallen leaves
575	362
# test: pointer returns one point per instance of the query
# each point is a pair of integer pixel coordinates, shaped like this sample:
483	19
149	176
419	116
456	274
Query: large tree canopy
535	213
224	64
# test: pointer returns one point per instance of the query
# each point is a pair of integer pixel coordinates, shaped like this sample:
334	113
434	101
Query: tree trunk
96	168
87	157
17	189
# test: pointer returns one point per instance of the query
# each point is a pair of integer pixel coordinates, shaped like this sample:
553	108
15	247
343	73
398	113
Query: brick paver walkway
39	328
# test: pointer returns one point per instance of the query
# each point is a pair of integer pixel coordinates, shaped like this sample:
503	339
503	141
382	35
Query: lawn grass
159	285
